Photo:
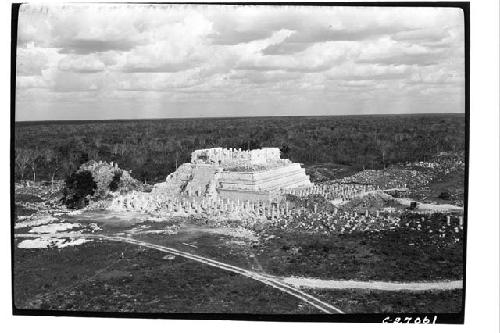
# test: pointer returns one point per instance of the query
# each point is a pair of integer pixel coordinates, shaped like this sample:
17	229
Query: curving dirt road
266	279
311	283
289	285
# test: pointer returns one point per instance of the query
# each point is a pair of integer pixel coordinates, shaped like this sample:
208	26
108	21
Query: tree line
152	149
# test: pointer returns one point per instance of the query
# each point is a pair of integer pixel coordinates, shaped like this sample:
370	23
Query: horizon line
240	117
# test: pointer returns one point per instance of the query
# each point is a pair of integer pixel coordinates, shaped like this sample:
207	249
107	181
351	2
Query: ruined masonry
235	174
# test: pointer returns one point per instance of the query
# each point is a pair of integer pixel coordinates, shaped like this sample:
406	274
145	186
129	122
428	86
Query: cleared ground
109	276
371	301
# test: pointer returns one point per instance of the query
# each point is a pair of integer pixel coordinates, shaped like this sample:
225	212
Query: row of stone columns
217	207
331	191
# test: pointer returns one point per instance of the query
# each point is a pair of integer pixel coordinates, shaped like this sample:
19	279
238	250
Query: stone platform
256	175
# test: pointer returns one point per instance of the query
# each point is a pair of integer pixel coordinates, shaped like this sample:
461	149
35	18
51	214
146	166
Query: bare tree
34	157
97	141
115	149
54	162
122	148
93	154
22	160
68	167
384	147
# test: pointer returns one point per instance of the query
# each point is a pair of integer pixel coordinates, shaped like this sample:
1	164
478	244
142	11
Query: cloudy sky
98	61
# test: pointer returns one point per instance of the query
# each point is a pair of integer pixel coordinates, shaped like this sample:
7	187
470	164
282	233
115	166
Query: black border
442	318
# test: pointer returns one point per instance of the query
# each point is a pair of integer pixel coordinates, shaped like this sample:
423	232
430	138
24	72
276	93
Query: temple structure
245	175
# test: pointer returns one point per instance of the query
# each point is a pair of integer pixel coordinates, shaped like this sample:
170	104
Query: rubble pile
389	178
441	164
331	191
45	191
372	201
36	201
313	202
415	175
440	227
105	173
340	222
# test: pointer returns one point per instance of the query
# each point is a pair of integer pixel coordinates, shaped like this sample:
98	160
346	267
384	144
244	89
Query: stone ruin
233	184
165	205
257	186
235	174
236	157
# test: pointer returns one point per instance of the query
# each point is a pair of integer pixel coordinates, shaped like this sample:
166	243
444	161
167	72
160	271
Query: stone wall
231	156
203	180
290	176
251	196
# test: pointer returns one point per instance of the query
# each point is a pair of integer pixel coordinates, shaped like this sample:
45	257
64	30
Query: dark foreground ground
372	301
108	276
402	254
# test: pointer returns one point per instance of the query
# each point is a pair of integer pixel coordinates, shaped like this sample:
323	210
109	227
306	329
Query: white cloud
31	61
81	64
29	82
134	55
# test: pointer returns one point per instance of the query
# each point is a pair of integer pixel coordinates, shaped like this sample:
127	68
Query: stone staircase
201	178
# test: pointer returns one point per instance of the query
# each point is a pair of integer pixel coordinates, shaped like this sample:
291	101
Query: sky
131	61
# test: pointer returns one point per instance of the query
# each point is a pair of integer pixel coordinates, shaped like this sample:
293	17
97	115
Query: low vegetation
372	301
154	148
80	186
117	277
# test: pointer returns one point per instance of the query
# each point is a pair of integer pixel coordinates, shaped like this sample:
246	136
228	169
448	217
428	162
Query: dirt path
375	285
442	208
266	279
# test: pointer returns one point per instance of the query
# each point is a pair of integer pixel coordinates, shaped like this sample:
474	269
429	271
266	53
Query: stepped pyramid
245	175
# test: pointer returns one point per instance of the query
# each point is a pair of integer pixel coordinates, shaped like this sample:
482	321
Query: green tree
80	186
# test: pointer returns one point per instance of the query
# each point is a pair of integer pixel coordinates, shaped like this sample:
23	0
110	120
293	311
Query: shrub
445	195
80	186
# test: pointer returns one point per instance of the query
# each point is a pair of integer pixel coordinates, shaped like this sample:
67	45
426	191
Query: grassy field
370	301
388	256
109	276
101	276
397	255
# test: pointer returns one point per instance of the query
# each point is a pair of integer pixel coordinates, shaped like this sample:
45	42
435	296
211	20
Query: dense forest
151	149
